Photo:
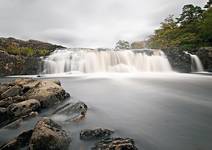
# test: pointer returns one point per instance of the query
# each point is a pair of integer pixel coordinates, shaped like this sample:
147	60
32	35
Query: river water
160	111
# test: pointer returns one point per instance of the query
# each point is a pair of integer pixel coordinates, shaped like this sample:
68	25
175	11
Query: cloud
83	23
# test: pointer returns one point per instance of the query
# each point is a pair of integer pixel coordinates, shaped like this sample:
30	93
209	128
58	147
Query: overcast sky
86	23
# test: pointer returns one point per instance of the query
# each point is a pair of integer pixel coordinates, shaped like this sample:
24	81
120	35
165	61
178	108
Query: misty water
160	111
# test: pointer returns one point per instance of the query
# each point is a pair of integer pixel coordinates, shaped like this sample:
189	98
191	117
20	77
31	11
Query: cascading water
196	64
90	61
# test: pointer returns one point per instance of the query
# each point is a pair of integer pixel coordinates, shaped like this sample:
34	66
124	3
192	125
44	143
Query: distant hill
27	48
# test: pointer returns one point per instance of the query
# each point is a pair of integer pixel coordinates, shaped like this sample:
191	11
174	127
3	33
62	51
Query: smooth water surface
159	111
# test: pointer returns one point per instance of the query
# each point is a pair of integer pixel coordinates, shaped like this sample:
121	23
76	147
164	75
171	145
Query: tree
206	28
208	5
121	44
164	36
190	14
138	45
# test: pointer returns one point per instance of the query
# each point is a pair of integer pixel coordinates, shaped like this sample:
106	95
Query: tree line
192	29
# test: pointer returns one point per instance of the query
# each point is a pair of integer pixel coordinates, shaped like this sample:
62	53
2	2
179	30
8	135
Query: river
160	111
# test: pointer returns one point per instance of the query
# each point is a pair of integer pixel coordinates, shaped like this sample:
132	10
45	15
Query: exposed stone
23	98
48	135
47	92
56	82
74	111
88	134
11	92
205	55
115	144
21	141
18	65
10	100
23	108
3	88
179	61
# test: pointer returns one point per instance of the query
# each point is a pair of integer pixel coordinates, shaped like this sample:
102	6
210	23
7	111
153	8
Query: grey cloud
85	23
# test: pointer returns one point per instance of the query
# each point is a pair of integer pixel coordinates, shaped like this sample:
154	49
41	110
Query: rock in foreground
48	135
20	98
73	111
115	144
88	134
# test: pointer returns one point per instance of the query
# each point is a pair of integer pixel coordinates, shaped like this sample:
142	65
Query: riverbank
27	101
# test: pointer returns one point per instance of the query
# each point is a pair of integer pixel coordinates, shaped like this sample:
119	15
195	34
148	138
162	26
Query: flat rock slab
89	134
73	111
115	144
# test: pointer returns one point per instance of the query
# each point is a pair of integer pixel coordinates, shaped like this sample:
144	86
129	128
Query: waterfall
196	64
90	61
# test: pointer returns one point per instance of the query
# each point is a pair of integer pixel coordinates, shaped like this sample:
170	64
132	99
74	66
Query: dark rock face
179	61
88	134
18	65
23	98
115	144
73	111
48	135
21	141
205	55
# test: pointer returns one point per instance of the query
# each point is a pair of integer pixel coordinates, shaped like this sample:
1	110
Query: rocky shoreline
24	99
181	62
19	65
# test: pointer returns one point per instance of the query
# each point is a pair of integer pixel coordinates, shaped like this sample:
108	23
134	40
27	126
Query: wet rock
3	88
11	92
3	114
23	98
115	144
23	108
10	100
14	124
48	135
56	82
21	141
73	111
179	61
88	134
47	92
30	115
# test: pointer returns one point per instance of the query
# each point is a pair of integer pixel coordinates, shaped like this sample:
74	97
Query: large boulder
48	135
89	134
115	144
22	98
47	92
23	108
